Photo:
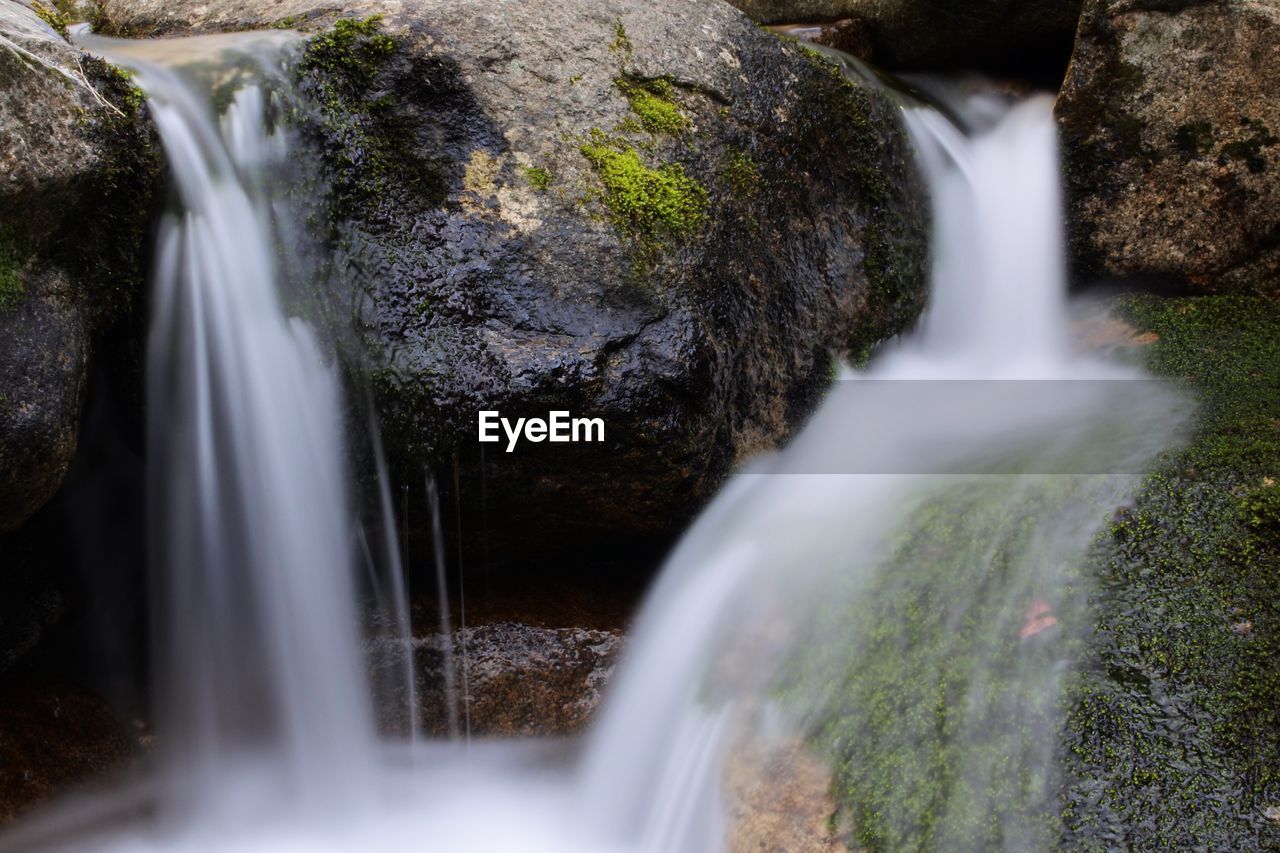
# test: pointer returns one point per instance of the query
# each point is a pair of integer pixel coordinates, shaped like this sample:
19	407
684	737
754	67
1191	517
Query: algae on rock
1174	740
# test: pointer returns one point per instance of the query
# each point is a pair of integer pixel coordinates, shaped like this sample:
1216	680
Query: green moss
131	97
354	47
52	16
741	173
1261	507
928	696
285	23
621	42
363	138
647	202
1174	742
1173	735
11	287
537	177
867	130
653	102
119	212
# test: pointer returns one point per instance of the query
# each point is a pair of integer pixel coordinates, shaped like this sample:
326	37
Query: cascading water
259	664
900	587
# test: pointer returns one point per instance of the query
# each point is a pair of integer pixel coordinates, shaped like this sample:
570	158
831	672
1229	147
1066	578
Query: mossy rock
631	211
1146	714
82	184
1174	741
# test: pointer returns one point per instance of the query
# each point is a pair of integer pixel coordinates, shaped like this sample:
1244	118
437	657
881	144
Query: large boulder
649	212
78	175
934	34
1172	138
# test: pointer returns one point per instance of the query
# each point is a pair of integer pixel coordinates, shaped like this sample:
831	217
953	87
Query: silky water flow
899	591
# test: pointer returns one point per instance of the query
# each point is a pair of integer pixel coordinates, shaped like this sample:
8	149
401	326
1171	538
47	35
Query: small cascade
449	665
260	662
900	589
901	585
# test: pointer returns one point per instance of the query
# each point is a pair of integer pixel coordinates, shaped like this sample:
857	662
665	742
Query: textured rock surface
1172	135
523	680
1174	733
779	799
653	213
935	33
78	173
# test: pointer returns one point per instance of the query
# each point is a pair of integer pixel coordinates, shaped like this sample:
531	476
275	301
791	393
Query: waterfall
900	588
260	655
902	585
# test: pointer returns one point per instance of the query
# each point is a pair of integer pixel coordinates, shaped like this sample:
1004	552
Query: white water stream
755	628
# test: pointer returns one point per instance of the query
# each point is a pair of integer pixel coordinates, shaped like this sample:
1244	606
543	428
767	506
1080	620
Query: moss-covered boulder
78	178
1174	740
987	689
654	213
941	34
1172	137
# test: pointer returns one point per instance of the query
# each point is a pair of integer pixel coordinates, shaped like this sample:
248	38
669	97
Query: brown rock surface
780	801
1171	129
521	680
52	737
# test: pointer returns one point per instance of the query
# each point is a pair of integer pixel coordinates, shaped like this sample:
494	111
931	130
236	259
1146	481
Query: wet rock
1172	141
933	34
852	35
780	799
44	355
1175	725
53	736
521	679
622	210
78	176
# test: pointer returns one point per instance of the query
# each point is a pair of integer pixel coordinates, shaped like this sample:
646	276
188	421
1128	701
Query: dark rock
1172	140
1174	732
30	600
44	354
78	181
522	680
652	213
851	35
53	736
942	34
